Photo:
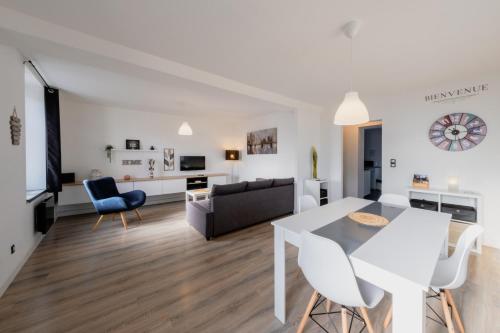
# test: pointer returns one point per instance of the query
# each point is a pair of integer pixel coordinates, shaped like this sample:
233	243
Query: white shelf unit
466	198
314	187
135	150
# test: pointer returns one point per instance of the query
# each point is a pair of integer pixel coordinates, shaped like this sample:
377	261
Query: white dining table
400	258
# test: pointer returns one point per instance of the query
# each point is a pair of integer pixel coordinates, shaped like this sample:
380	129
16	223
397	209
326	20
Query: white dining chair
451	273
391	199
327	268
307	202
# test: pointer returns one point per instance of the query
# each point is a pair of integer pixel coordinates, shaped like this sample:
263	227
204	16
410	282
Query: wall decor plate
457	132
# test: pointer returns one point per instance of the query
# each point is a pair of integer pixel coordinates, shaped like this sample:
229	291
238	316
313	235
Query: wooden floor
162	276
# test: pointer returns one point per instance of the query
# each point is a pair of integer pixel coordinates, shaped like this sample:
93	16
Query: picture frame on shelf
132	144
420	181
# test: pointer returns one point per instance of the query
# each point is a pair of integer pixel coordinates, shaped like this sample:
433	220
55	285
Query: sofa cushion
282	181
259	184
228	189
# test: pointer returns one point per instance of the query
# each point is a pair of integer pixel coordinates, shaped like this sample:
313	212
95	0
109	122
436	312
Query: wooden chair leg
447	315
139	216
388	317
454	310
328	305
345	327
369	325
98	222
303	322
124	219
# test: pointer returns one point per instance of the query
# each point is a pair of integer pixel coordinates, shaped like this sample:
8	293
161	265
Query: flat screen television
191	163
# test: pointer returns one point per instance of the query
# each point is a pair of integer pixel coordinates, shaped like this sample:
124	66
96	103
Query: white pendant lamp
185	129
352	111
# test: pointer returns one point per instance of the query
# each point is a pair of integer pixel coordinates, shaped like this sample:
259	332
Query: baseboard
87	208
11	278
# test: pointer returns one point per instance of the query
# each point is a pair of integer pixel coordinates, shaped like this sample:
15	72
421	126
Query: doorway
362	160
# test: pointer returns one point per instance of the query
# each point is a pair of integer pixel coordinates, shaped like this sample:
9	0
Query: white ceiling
166	94
294	47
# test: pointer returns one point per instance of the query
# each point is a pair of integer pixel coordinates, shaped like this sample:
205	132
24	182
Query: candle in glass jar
453	184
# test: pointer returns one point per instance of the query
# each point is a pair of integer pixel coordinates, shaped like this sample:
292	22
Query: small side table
195	195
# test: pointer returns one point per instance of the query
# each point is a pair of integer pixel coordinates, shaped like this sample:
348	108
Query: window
36	152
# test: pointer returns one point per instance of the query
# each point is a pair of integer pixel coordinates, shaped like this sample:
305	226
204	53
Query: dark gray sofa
236	206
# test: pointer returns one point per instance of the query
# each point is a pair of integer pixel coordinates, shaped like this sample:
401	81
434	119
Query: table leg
279	275
408	310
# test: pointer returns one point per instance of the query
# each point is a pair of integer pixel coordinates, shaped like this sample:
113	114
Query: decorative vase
95	174
314	163
151	168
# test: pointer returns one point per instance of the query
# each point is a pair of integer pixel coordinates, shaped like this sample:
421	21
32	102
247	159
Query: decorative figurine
151	169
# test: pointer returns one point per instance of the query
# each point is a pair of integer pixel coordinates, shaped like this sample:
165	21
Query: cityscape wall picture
262	142
457	132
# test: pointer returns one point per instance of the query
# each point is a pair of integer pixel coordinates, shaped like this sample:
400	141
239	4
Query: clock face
457	132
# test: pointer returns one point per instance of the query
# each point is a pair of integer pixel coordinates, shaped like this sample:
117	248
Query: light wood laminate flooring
162	276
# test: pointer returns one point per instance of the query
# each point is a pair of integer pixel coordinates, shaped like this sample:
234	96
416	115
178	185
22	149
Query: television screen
190	163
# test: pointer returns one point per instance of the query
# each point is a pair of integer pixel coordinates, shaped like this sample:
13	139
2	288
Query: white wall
330	156
16	223
351	160
406	121
87	128
280	165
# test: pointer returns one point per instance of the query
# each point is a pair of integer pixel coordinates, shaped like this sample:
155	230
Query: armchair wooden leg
98	222
303	322
124	219
388	317
447	315
139	216
454	310
368	322
345	327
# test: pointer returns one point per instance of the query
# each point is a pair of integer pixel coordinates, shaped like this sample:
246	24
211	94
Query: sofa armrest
200	218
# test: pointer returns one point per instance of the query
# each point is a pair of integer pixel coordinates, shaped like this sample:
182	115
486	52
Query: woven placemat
371	220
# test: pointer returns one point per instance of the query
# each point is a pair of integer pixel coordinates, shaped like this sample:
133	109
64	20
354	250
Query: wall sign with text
456	94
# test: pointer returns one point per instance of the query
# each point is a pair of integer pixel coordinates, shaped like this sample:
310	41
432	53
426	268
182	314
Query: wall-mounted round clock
457	132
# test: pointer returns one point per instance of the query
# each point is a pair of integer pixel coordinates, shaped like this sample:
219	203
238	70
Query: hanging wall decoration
15	128
457	132
168	159
262	141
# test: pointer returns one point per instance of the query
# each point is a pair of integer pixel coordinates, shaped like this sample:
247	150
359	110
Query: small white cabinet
318	188
125	187
173	186
218	180
150	187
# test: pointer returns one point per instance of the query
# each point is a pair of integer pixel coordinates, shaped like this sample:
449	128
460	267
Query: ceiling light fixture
185	129
352	111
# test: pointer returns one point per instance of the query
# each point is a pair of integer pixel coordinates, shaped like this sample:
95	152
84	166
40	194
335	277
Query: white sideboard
74	194
466	198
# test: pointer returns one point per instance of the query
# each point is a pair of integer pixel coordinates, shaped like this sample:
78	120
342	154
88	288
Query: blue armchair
108	201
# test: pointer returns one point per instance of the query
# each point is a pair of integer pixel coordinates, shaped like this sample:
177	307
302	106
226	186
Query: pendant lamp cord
352	67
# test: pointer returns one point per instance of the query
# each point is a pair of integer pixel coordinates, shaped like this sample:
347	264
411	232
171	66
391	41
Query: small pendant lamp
352	111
